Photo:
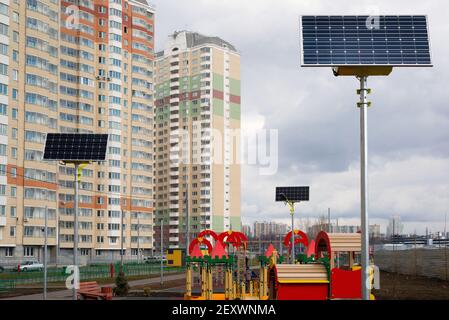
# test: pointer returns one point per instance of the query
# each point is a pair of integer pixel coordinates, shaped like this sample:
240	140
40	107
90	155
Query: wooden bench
92	291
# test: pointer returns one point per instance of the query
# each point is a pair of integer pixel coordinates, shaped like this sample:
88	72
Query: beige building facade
76	66
197	137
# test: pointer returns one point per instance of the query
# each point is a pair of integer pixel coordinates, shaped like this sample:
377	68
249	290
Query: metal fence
432	263
11	279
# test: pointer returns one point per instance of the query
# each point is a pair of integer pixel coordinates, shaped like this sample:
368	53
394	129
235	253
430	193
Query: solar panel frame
294	194
303	64
75	147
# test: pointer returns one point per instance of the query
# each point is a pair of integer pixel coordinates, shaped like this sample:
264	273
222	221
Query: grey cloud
316	113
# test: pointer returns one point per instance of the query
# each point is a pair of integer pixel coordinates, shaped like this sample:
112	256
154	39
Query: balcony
173	214
2	221
114	233
174	223
173	239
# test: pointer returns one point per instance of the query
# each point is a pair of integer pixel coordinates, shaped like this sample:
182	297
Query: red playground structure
328	271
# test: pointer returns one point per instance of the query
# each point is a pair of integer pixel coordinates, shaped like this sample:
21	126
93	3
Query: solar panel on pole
75	147
78	149
364	46
356	41
292	195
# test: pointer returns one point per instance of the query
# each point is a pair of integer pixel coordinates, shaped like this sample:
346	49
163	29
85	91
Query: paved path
67	294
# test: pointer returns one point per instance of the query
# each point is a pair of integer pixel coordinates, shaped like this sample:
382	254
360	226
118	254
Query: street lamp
371	46
291	195
79	150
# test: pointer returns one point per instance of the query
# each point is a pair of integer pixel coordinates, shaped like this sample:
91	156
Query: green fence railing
11	279
6	285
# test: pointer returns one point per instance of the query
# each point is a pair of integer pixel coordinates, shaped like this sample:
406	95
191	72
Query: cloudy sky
317	118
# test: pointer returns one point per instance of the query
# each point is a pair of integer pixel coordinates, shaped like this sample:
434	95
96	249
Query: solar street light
79	150
354	46
291	195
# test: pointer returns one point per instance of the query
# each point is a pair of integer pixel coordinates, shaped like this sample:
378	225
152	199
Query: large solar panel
75	147
294	194
365	40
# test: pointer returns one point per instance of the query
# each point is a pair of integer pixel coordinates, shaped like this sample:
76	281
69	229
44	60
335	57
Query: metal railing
9	280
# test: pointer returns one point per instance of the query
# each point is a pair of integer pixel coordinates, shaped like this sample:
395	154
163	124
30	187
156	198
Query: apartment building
197	137
76	66
269	229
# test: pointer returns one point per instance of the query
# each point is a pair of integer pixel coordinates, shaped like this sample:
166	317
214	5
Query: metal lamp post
75	230
45	251
162	251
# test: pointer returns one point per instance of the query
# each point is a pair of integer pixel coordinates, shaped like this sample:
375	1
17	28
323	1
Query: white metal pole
138	239
364	186
187	218
121	239
292	212
75	231
162	252
45	252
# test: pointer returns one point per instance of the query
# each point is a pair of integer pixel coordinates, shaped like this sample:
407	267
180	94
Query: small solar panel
75	147
365	40
292	194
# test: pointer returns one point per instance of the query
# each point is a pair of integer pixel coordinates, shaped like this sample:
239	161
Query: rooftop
195	39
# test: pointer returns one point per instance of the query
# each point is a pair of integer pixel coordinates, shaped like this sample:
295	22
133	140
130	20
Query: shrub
121	285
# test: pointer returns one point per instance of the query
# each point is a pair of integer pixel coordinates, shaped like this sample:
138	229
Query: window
3	69
28	252
13	212
9	252
3	89
4	29
15	17
14	113
14	152
3	49
13	192
12	232
3	129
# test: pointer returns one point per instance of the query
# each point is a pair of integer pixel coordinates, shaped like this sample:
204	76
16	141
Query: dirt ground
392	287
395	286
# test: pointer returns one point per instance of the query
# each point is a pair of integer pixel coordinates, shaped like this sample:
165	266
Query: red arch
235	238
208	233
300	237
322	243
200	241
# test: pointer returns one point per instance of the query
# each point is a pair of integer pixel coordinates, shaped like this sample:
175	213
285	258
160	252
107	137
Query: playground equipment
300	239
227	256
332	273
329	270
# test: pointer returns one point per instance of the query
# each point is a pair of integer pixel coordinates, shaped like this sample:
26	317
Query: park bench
92	291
